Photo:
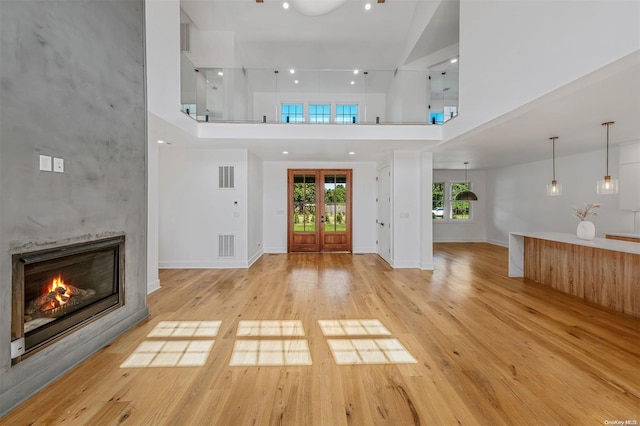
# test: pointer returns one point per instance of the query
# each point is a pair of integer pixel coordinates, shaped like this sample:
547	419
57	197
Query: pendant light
466	195
554	188
607	185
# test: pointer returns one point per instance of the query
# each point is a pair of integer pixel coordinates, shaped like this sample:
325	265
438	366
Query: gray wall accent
72	85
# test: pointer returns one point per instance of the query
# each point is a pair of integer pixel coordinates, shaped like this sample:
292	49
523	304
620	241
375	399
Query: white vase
586	230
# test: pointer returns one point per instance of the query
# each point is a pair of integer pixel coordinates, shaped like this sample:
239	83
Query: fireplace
60	289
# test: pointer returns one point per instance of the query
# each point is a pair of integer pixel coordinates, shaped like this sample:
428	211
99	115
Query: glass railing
319	96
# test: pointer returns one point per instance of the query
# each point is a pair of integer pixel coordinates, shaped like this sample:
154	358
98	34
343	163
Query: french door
319	213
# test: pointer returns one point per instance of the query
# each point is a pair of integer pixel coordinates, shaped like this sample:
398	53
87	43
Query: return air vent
227	245
184	38
226	175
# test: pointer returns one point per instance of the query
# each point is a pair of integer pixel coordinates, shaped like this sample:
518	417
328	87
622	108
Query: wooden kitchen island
602	271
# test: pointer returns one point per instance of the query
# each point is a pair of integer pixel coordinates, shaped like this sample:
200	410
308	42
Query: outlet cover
58	165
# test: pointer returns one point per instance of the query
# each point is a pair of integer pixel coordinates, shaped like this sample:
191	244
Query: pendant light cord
608	123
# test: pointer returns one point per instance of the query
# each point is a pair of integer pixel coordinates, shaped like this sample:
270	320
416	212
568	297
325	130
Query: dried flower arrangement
588	210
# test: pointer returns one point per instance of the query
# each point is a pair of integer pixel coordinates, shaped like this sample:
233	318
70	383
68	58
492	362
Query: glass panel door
319	210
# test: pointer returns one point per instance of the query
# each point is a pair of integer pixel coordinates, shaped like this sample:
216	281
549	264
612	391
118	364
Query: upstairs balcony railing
319	96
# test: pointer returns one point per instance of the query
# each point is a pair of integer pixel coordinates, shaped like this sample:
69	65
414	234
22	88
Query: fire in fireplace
56	290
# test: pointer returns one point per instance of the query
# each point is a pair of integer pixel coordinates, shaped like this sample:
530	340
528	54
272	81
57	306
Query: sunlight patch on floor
369	351
270	353
353	327
270	328
186	329
175	353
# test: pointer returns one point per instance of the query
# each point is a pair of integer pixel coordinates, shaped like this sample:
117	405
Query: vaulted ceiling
417	35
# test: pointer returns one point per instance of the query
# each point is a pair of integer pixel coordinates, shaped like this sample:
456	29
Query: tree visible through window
437	205
460	209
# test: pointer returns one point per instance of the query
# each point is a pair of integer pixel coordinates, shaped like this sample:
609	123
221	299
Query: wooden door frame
320	232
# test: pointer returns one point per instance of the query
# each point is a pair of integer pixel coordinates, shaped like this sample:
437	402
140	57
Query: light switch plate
45	163
58	165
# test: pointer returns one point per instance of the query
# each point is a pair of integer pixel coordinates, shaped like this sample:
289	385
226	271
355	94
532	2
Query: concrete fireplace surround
72	86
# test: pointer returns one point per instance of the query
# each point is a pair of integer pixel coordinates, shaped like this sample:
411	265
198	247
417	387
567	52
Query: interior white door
384	213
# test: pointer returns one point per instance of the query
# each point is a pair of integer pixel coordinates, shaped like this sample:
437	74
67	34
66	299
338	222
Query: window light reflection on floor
175	353
185	329
353	327
270	353
369	351
267	328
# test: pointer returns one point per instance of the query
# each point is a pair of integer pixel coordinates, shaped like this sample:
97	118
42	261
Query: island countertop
602	271
601	243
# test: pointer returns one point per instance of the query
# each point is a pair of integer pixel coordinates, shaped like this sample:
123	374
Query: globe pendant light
607	185
466	195
554	188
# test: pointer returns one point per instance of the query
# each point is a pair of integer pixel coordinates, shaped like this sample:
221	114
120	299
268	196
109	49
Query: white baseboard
459	240
405	265
255	257
427	267
275	250
364	250
153	286
499	243
222	264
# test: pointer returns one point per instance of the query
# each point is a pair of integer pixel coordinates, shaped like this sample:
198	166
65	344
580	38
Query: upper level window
291	113
346	113
320	113
460	209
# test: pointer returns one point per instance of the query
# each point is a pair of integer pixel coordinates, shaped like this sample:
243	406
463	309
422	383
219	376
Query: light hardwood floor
490	350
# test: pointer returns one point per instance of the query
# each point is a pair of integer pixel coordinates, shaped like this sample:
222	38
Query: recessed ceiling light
208	81
292	71
353	82
220	73
285	152
352	153
454	60
160	141
356	71
285	5
295	81
367	6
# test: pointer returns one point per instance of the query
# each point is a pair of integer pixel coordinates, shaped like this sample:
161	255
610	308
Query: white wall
517	200
473	230
211	49
512	52
275	203
193	211
406	209
426	196
162	44
255	201
408	97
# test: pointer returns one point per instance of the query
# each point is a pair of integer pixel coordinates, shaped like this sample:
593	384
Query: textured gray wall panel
71	86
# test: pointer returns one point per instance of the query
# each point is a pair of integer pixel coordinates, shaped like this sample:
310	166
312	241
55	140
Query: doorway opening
319	211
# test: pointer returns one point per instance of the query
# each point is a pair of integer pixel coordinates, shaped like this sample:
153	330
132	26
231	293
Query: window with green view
460	209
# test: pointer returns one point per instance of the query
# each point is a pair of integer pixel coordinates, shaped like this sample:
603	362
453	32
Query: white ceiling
401	32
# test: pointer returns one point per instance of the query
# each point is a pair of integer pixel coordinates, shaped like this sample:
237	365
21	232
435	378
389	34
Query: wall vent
226	177
185	45
227	245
